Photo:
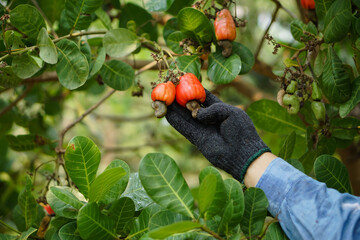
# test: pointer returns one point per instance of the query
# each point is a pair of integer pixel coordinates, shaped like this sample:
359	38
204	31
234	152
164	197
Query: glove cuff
249	161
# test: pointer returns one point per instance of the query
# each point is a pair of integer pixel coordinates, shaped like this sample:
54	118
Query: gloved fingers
210	99
216	113
180	118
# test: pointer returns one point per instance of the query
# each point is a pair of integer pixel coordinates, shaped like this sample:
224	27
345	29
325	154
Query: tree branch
9	107
284	8
214	234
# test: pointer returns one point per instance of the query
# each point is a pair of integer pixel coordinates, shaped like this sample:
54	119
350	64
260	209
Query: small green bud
291	87
319	110
316	91
291	103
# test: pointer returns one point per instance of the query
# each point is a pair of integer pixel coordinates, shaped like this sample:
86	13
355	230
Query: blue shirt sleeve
306	208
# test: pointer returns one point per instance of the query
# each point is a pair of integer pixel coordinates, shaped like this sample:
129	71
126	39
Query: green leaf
335	81
332	172
157	5
218	203
164	183
137	193
28	20
82	158
92	224
236	195
48	51
72	67
25	235
98	63
85	49
189	64
164	218
28	204
69	232
26	65
24	142
179	227
78	12
207	192
178	5
270	116
322	7
346	107
226	218
298	29
141	224
173	41
246	56
288	146
196	25
122	211
120	186
104	18
275	232
256	205
117	74
18	218
170	26
52	9
104	182
8	79
223	70
8	237
120	42
145	23
63	202
345	128
337	21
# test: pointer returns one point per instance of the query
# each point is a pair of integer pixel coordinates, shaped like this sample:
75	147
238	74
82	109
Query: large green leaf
137	193
179	227
270	116
28	204
122	211
63	202
274	232
236	195
173	41
120	186
246	56
256	205
26	65
337	21
218	203
345	128
25	235
117	74
164	183
189	64
120	42
48	51
28	20
196	25
104	182
335	80
72	67
349	105
207	191
69	232
82	158
170	26
92	224
322	7
332	172
298	29
52	9
178	5
24	142
78	12
223	70
157	5
104	18
288	146
226	218
98	63
145	23
141	225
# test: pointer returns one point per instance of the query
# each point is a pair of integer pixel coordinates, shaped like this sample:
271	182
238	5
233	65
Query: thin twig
9	107
273	18
214	234
284	8
46	18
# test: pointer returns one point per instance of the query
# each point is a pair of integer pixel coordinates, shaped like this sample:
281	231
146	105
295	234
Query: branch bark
13	104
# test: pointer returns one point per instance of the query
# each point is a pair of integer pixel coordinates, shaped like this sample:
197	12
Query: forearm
257	169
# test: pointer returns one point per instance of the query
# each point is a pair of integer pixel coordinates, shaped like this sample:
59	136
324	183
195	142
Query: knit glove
224	134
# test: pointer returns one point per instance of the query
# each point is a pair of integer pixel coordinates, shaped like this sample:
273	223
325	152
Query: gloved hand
224	134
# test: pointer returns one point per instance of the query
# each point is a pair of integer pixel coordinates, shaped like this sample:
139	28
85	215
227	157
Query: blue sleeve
306	208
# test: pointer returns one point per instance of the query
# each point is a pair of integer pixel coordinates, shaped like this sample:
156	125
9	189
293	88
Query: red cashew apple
225	31
162	95
48	209
308	4
190	93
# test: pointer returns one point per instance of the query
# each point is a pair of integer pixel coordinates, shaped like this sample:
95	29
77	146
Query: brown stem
273	18
23	95
214	234
194	107
284	8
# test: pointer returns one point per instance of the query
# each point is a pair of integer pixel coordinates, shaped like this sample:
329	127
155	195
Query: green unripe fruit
316	91
292	103
291	87
319	110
